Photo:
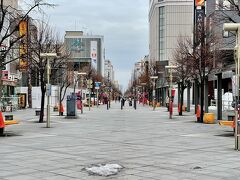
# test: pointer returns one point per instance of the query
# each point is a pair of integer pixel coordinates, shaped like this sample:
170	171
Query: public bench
38	112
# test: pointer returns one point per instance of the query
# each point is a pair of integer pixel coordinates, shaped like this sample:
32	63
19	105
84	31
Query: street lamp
236	28
81	75
48	86
154	91
143	92
170	90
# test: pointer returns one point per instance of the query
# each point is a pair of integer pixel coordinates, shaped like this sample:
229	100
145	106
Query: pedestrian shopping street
146	143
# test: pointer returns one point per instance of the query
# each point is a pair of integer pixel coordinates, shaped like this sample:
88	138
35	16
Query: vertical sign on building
94	54
199	15
199	25
23	63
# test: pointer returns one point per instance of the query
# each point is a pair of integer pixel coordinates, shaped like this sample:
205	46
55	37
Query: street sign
97	85
48	89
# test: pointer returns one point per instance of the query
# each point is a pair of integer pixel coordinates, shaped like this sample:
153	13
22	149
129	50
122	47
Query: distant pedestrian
130	101
167	102
122	102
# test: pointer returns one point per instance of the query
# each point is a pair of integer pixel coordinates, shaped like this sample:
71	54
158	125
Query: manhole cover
104	169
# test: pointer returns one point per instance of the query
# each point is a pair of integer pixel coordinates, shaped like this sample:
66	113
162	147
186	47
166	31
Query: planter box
209	118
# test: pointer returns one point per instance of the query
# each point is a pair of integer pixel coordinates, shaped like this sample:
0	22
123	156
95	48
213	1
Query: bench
11	122
231	117
38	112
8	117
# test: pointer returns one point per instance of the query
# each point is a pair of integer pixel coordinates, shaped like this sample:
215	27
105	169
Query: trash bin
71	105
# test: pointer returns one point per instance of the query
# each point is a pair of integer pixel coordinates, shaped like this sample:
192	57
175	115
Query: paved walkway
145	142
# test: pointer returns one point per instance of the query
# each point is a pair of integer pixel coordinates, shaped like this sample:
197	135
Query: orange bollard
198	113
61	109
2	124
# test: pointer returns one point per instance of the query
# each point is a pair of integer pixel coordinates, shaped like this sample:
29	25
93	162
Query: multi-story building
12	3
85	50
108	71
168	20
10	75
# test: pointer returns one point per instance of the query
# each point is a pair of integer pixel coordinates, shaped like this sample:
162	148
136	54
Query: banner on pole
23	61
94	54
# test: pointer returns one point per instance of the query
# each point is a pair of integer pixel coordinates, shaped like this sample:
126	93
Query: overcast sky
123	23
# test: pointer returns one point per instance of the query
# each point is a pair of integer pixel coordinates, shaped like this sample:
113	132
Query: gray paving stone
145	142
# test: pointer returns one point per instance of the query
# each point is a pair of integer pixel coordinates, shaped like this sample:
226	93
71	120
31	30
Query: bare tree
10	19
182	60
45	42
205	58
64	83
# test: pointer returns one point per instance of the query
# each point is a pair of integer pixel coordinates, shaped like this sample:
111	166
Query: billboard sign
22	28
23	63
199	25
94	53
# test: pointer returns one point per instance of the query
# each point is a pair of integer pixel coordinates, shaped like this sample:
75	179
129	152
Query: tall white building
108	71
168	19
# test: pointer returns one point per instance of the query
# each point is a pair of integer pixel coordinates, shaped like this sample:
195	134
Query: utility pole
236	28
170	90
89	86
48	86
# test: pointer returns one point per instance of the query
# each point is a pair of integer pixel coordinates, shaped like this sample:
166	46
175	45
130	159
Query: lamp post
154	90
48	86
143	92
170	90
81	75
236	28
89	86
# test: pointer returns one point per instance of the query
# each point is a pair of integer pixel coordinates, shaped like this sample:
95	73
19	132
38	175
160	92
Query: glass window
161	33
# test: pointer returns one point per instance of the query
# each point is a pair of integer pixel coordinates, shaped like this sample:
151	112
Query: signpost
89	86
97	86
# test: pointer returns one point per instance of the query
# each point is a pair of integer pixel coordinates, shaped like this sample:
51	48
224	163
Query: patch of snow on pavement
104	169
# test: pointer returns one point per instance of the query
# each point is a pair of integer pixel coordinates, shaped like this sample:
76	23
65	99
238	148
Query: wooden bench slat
11	122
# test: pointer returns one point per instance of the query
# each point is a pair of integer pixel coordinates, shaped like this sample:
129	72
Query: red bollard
170	109
198	113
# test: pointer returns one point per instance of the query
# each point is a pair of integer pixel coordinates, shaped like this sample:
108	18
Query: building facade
10	74
168	20
108	71
85	50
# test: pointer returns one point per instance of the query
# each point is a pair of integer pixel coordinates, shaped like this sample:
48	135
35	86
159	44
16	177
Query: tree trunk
43	90
202	100
29	91
181	98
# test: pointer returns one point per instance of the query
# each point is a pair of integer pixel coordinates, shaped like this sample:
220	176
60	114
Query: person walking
130	101
167	102
122	102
